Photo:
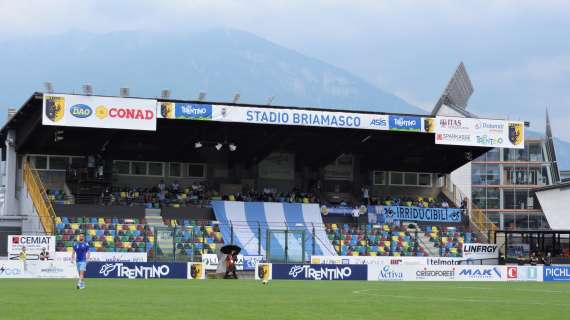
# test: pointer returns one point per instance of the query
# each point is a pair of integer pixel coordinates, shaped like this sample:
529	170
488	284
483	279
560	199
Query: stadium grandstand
177	179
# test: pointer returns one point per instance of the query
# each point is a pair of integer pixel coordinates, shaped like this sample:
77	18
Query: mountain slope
219	62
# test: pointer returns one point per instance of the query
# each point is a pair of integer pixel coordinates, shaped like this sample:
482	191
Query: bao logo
55	107
515	133
512	273
81	111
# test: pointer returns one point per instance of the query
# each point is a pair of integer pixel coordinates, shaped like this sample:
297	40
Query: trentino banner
479	132
319	272
138	270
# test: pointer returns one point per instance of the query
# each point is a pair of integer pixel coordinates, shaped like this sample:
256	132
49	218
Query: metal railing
39	198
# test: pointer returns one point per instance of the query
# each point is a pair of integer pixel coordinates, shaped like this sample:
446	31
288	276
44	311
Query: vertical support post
314	244
258	239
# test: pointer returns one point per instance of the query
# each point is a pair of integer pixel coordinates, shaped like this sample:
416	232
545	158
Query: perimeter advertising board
479	132
98	112
34	246
37	269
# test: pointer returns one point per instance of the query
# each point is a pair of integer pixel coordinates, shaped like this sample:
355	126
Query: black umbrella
227	249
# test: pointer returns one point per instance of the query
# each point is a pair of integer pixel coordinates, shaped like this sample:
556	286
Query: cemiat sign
99	112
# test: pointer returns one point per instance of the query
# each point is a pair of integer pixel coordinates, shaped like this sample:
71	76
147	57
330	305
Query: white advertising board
34	245
210	262
524	273
106	256
391	260
479	132
476	251
37	269
99	112
436	273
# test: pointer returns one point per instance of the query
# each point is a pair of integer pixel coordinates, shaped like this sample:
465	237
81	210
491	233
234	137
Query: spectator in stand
175	187
365	195
355	214
161	186
44	255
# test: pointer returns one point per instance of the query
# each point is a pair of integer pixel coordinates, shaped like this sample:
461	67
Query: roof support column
10	179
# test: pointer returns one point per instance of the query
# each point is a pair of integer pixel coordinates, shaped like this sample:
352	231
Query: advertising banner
246	262
274	116
556	273
518	251
137	270
34	246
37	269
405	123
187	111
480	251
479	132
99	112
524	273
196	271
319	272
436	273
396	213
391	260
106	256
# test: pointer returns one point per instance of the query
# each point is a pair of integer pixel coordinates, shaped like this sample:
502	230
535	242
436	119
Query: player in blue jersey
80	256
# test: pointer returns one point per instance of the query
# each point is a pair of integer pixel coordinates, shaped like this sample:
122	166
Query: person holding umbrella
231	251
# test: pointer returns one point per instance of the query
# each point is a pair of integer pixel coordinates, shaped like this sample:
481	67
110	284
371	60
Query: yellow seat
92	232
136	194
97	244
354	253
362	242
387	243
101	221
209	229
212	246
109	238
405	244
69	249
453	250
395	238
132	227
118	227
386	228
58	220
396	254
444	240
420	199
402	234
231	197
151	239
434	229
334	226
123	194
74	226
305	200
373	254
127	245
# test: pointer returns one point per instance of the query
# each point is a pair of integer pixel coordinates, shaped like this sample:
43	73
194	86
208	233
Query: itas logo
480	273
454	124
81	111
395	261
388	274
512	273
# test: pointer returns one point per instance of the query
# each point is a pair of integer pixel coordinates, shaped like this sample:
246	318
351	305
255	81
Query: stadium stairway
154	221
428	246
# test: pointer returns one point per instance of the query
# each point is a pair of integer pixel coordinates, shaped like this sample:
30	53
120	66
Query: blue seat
64	220
100	233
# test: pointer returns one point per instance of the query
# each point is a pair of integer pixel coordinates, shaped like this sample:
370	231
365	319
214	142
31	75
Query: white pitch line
465	299
493	288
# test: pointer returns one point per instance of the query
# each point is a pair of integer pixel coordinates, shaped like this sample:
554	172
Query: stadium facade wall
88	210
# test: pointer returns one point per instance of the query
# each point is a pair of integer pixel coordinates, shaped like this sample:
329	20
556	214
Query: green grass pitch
247	299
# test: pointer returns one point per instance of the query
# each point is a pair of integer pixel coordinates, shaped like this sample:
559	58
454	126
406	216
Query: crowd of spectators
196	194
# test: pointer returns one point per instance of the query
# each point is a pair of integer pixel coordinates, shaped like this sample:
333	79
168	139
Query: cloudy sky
517	52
